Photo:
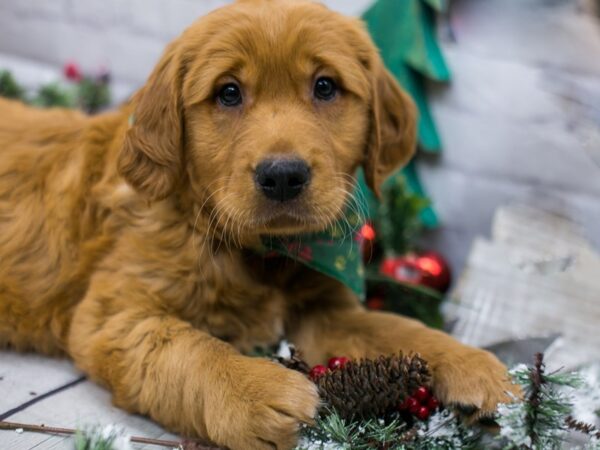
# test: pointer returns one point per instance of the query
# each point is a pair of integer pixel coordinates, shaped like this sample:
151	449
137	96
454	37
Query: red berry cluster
337	362
421	404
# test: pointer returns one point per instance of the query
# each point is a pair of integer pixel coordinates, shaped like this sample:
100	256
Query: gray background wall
520	122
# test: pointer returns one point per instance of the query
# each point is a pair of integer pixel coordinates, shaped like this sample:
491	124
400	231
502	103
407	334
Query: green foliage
446	432
398	216
54	95
407	299
9	87
537	422
88	94
331	429
92	94
95	439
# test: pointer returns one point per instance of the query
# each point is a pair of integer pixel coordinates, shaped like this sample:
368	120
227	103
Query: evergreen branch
536	376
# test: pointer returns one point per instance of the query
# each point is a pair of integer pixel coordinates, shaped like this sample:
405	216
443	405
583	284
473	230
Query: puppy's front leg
462	375
185	379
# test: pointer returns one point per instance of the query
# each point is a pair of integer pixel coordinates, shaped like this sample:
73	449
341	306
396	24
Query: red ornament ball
428	269
436	270
388	266
422	394
337	362
422	413
72	72
402	268
317	372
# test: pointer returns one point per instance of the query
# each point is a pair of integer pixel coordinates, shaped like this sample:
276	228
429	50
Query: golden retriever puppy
126	239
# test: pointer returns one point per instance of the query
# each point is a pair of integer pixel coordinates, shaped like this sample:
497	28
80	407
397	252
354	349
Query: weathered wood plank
83	405
538	276
26	376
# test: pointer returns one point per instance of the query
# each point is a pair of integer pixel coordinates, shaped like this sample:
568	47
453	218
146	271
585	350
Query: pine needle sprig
538	422
536	377
582	427
333	431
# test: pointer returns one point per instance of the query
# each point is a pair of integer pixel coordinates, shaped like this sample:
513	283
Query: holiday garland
90	93
541	420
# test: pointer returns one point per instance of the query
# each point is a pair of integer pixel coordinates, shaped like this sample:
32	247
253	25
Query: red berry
422	394
422	413
412	405
375	303
317	372
432	404
72	71
337	362
407	403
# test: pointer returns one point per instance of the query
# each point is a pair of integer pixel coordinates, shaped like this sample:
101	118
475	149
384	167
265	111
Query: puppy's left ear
151	157
393	129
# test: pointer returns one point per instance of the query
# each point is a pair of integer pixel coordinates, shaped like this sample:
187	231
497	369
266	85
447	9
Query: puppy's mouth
289	218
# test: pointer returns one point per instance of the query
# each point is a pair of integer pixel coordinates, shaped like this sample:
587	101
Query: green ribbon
335	252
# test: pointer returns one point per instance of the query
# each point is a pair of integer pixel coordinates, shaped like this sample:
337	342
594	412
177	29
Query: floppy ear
151	156
393	129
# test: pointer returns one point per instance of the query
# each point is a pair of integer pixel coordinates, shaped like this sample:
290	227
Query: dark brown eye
325	89
230	95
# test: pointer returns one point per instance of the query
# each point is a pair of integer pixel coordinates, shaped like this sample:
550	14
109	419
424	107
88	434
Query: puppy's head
264	110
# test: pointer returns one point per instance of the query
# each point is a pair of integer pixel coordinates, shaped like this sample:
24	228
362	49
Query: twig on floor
184	445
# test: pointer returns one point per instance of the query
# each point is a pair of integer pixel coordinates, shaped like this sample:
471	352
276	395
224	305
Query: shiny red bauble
428	269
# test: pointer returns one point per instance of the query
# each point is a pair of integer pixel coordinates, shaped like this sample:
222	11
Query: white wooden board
24	377
537	276
83	405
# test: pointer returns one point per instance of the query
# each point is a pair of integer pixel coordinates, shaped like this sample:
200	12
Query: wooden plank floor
24	378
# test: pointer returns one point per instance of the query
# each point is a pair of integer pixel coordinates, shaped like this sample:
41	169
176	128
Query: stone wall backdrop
520	121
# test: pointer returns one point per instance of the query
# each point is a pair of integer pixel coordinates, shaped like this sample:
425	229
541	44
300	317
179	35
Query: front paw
474	381
259	405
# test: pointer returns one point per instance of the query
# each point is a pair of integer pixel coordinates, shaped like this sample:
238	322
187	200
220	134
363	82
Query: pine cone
295	361
373	388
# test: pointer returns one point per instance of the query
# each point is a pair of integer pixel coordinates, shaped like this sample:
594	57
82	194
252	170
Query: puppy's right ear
151	157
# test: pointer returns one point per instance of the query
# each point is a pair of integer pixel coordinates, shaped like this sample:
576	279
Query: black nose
282	179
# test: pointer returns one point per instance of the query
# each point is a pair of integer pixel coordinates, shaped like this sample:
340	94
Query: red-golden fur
122	242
